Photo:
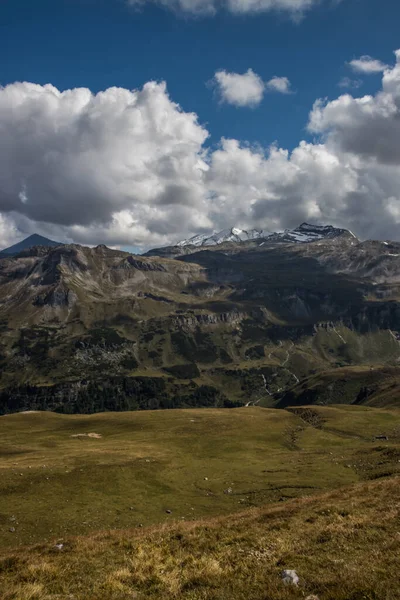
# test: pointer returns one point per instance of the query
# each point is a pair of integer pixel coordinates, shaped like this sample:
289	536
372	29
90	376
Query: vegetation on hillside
57	481
227	326
344	545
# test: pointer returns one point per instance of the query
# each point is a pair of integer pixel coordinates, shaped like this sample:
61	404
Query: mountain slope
27	243
226	325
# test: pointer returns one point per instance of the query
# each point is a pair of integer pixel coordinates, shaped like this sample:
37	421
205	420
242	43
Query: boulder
290	577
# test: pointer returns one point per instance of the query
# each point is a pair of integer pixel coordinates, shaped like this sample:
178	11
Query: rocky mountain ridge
302	234
235	237
234	234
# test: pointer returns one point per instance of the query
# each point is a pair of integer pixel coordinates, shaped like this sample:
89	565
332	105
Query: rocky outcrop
67	258
154	297
169	252
144	265
191	322
39	251
59	296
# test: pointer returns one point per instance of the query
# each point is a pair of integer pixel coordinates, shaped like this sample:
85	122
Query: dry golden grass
344	545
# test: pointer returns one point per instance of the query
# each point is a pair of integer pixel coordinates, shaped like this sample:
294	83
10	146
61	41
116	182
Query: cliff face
255	319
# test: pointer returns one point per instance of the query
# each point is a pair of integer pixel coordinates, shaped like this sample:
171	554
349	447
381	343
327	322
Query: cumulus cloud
245	89
368	65
132	168
77	159
279	84
369	126
294	7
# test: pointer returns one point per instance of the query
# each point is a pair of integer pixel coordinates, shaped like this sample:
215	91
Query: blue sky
122	187
102	43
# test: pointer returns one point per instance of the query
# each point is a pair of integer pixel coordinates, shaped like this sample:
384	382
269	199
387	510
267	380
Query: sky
137	123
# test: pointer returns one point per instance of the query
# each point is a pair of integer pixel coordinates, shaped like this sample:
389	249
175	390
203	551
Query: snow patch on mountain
226	235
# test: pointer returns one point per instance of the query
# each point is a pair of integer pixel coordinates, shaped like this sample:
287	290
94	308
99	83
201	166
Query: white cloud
79	160
245	89
9	232
198	7
351	84
368	126
294	7
132	168
279	84
368	65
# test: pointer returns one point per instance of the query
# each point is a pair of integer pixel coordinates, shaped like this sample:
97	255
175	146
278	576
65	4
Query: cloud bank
132	168
206	7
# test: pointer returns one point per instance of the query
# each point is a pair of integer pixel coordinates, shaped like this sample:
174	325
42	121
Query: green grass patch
58	481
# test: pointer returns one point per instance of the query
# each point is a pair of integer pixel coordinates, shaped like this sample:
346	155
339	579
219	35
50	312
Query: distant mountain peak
233	234
33	240
304	233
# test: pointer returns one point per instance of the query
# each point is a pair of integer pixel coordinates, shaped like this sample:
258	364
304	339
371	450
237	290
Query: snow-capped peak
234	234
302	234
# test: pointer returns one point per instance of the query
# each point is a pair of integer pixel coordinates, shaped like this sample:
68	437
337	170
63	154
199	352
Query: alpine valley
238	318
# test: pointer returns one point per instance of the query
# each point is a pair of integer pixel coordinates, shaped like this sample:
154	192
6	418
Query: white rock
290	577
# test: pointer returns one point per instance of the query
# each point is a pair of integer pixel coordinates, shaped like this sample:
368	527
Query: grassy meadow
56	481
132	487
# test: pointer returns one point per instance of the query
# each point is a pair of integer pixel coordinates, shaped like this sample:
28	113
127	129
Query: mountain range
303	316
302	234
